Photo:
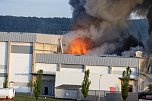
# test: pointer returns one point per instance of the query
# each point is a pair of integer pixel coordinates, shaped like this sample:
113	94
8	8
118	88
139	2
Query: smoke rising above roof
105	22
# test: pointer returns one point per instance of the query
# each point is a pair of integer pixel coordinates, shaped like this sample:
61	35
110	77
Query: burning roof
80	45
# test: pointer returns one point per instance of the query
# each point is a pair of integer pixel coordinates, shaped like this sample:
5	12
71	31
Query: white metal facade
20	68
59	69
16	57
3	62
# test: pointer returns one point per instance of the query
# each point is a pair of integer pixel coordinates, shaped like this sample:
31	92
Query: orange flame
80	46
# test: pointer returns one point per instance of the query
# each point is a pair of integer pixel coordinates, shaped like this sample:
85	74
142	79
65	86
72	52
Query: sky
37	8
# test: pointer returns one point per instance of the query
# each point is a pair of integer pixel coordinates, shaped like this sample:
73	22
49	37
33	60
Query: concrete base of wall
118	97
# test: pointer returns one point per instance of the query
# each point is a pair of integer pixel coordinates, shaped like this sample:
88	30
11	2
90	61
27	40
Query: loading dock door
48	88
45	90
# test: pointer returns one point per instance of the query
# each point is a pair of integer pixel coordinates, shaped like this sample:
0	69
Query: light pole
99	86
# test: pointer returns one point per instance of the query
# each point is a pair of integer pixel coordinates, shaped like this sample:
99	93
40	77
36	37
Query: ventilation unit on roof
139	54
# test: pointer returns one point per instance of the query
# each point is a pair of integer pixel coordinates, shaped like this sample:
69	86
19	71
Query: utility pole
99	86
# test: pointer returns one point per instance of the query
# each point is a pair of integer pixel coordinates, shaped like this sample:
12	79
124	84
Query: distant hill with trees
34	25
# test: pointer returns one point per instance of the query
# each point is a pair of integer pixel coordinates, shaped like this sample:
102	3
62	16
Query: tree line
54	25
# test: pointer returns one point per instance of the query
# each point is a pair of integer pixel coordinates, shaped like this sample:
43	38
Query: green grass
23	97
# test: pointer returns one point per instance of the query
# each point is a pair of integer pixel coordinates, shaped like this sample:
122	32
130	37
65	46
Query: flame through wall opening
80	45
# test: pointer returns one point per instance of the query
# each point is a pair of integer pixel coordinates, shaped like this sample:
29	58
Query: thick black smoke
81	20
145	5
104	22
146	9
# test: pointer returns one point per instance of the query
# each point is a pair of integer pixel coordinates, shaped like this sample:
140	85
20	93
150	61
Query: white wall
47	68
119	71
114	70
3	60
20	69
21	43
71	70
107	80
3	53
22	89
98	69
69	78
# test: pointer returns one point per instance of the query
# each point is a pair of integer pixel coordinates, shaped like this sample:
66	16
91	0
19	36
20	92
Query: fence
94	95
108	96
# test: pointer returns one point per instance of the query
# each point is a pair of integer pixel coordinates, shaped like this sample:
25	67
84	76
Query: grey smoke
111	10
132	51
105	23
145	9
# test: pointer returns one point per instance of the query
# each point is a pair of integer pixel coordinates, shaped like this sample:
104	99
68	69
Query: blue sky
38	8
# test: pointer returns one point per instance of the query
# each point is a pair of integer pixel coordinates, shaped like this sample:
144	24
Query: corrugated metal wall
29	37
22	37
87	60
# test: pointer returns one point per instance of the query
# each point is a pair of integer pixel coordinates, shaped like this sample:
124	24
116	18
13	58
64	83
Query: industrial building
23	54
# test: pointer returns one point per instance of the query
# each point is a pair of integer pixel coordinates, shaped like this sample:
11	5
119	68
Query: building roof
65	86
87	60
29	37
17	37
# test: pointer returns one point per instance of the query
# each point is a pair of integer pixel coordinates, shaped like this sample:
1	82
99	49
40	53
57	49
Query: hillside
34	24
137	27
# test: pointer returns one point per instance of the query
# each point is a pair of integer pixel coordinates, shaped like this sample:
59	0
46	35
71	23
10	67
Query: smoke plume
105	23
146	10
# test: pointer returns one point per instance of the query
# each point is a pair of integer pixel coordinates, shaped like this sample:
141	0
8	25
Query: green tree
125	83
85	84
38	84
30	85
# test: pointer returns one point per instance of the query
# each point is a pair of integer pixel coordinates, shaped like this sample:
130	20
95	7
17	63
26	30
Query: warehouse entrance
48	85
45	90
